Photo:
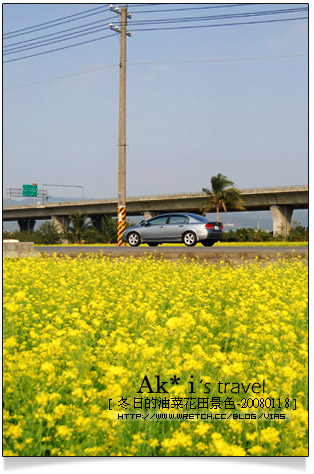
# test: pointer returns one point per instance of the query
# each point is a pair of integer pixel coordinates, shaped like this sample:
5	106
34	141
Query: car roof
191	214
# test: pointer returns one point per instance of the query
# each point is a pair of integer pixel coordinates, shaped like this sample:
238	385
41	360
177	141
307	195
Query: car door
175	228
154	229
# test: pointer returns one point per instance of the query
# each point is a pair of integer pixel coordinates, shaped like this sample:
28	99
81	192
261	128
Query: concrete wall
15	249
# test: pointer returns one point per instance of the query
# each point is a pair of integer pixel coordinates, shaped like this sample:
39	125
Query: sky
199	101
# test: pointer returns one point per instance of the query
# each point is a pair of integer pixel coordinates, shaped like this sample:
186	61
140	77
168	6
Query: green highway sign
30	190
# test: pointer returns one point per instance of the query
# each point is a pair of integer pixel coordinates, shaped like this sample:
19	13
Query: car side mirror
146	224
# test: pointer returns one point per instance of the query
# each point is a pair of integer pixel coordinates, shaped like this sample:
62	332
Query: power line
83	30
175	20
231	5
41	44
199	61
219	25
87	31
136	5
51	24
61	77
219	60
219	17
57	33
59	49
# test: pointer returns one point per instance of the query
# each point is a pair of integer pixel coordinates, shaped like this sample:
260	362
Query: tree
298	234
107	228
110	229
48	234
78	227
222	194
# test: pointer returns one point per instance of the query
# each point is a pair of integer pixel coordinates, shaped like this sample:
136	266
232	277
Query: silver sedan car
174	227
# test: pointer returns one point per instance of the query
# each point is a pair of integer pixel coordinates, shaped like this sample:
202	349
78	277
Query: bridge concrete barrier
283	200
16	249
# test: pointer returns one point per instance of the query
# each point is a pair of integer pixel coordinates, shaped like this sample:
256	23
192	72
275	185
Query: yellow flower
151	316
56	452
201	429
256	451
64	431
42	398
14	431
59	411
47	367
95	451
178	440
78	392
153	443
270	435
46	438
251	436
80	332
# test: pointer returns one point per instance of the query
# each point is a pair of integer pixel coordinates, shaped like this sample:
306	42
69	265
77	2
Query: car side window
178	220
158	221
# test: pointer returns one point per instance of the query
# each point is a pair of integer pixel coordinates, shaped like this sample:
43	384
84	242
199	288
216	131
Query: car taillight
208	226
221	227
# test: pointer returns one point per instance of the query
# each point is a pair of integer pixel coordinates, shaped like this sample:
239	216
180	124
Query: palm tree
78	227
49	234
222	193
109	226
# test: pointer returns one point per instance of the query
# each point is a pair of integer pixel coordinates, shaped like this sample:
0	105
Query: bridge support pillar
61	223
26	224
150	214
281	219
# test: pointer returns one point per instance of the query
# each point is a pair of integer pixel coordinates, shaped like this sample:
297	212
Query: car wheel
134	239
208	243
153	244
189	238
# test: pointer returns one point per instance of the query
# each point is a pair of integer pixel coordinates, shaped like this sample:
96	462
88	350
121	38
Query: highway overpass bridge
281	201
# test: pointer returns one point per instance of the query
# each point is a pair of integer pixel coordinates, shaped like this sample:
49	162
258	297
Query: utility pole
122	122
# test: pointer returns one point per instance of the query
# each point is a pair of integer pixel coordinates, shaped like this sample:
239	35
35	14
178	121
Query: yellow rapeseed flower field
220	350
